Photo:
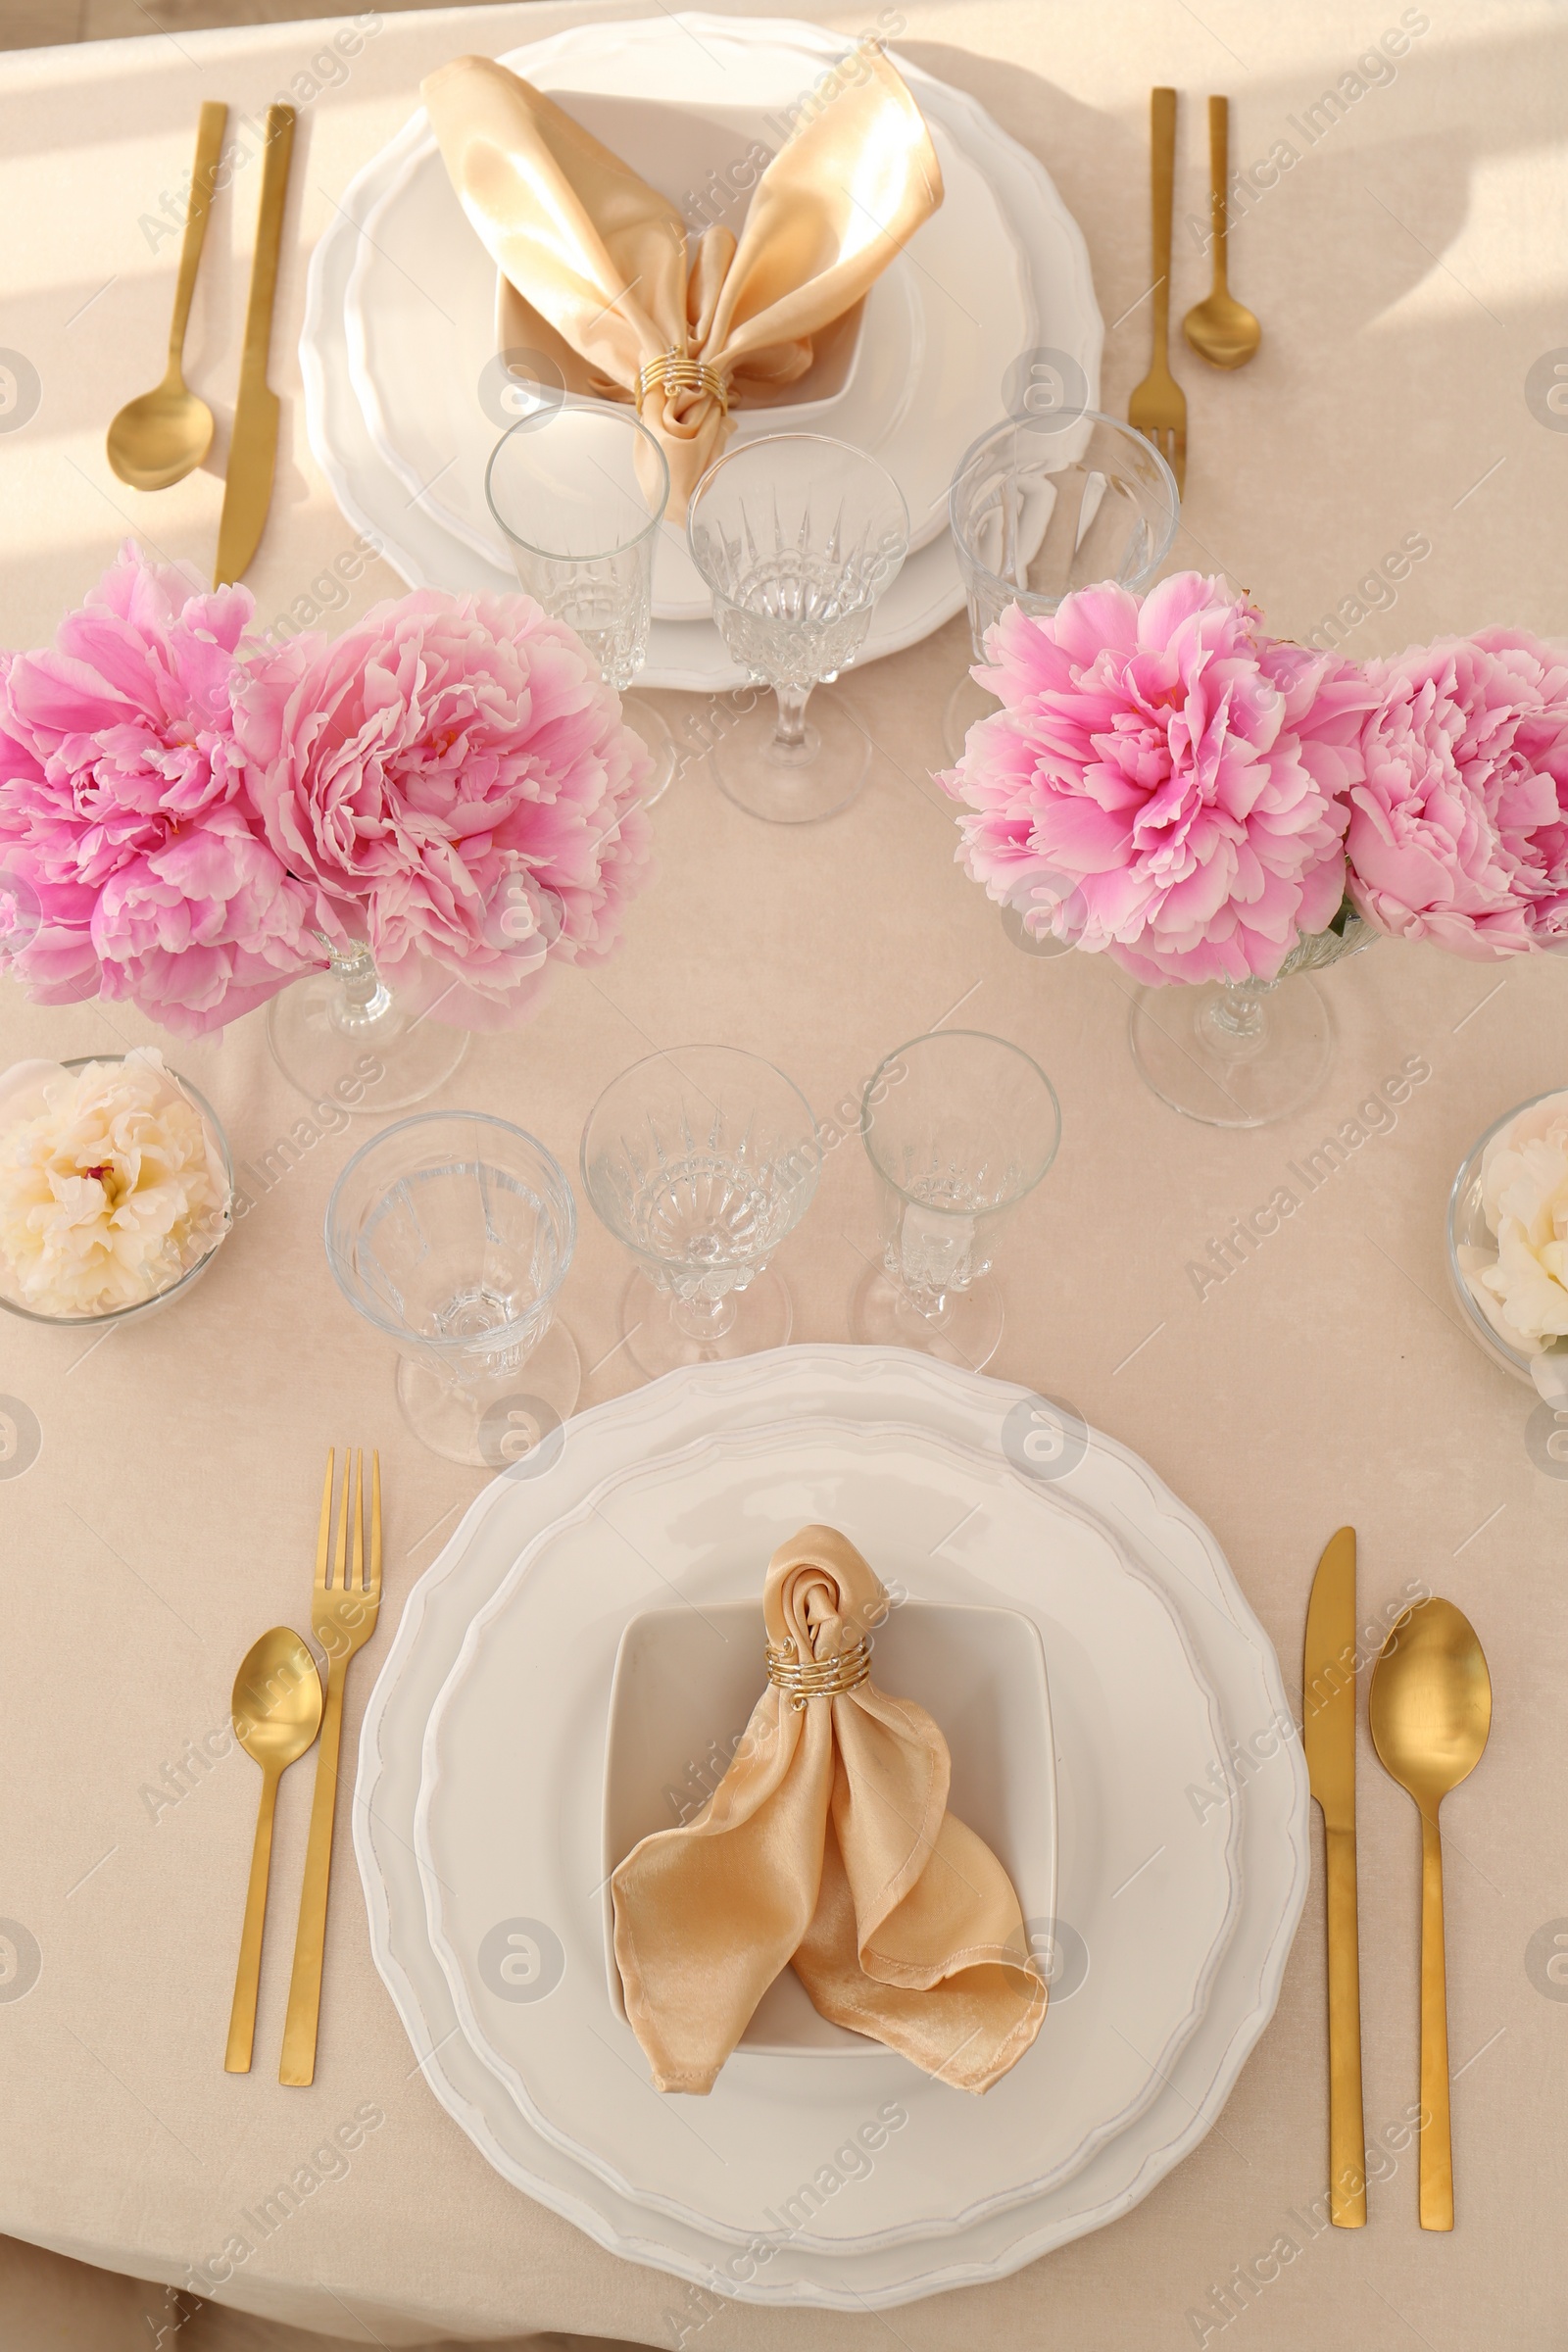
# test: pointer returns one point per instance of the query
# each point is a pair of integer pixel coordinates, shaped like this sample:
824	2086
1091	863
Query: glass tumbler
957	1127
1042	505
700	1160
580	488
797	536
451	1233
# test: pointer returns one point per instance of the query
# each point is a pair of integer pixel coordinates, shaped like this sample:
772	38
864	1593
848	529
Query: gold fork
1158	408
343	1614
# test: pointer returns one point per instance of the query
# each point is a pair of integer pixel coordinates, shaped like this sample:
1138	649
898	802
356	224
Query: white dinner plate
1267	1798
509	1827
687	655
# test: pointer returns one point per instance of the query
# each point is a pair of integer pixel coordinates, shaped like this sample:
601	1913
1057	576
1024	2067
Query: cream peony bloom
1523	1290
111	1186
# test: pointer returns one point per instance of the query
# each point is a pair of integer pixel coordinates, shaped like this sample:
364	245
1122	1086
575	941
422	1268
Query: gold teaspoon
1431	1710
158	438
277	1713
1221	330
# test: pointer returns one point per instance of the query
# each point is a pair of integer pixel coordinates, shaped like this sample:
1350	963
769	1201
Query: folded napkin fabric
828	1846
605	263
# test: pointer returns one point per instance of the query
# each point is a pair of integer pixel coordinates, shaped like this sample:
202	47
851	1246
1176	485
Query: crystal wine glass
957	1127
700	1160
797	536
451	1233
1042	505
580	488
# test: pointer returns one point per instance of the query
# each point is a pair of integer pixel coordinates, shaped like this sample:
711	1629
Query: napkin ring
818	1677
681	374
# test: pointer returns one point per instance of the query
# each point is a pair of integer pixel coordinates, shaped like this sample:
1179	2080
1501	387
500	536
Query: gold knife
253	446
1327	1733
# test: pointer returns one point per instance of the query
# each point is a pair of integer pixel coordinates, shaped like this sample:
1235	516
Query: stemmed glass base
341	1035
792	766
1240	1055
506	1420
966	704
662	1332
963	1328
643	720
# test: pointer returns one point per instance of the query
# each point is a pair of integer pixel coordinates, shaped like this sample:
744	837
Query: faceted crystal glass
797	536
700	1160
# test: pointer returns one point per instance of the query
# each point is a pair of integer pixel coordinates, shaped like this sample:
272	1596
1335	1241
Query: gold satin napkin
828	1843
603	261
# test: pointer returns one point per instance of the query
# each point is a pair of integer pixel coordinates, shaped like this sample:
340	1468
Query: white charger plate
957	289
1111	1486
509	1819
689	656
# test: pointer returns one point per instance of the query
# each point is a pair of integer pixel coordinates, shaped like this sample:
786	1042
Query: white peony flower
1523	1288
110	1184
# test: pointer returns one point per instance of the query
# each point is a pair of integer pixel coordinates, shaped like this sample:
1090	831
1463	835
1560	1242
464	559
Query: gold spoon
1221	330
277	1713
1431	1710
160	437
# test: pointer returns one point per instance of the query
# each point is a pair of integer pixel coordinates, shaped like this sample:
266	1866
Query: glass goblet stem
790	733
1237	1018
364	996
703	1319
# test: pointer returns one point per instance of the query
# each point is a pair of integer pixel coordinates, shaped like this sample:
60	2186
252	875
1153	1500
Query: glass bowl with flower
115	1187
1508	1243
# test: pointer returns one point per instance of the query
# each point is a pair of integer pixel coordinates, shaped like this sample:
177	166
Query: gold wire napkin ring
818	1677
681	374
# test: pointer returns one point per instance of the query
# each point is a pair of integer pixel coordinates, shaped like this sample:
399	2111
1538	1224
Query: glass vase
1244	1053
343	1036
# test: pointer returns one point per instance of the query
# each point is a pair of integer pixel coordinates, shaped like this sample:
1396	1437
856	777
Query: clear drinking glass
343	1036
451	1233
1042	505
579	489
700	1160
957	1127
797	536
1242	1052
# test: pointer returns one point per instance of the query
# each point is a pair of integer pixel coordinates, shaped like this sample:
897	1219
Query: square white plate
685	1684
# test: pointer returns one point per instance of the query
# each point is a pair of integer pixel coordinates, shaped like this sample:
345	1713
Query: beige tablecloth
1408	267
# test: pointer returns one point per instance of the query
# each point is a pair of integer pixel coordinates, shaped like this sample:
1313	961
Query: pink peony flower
453	775
135	866
1172	768
1459	826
